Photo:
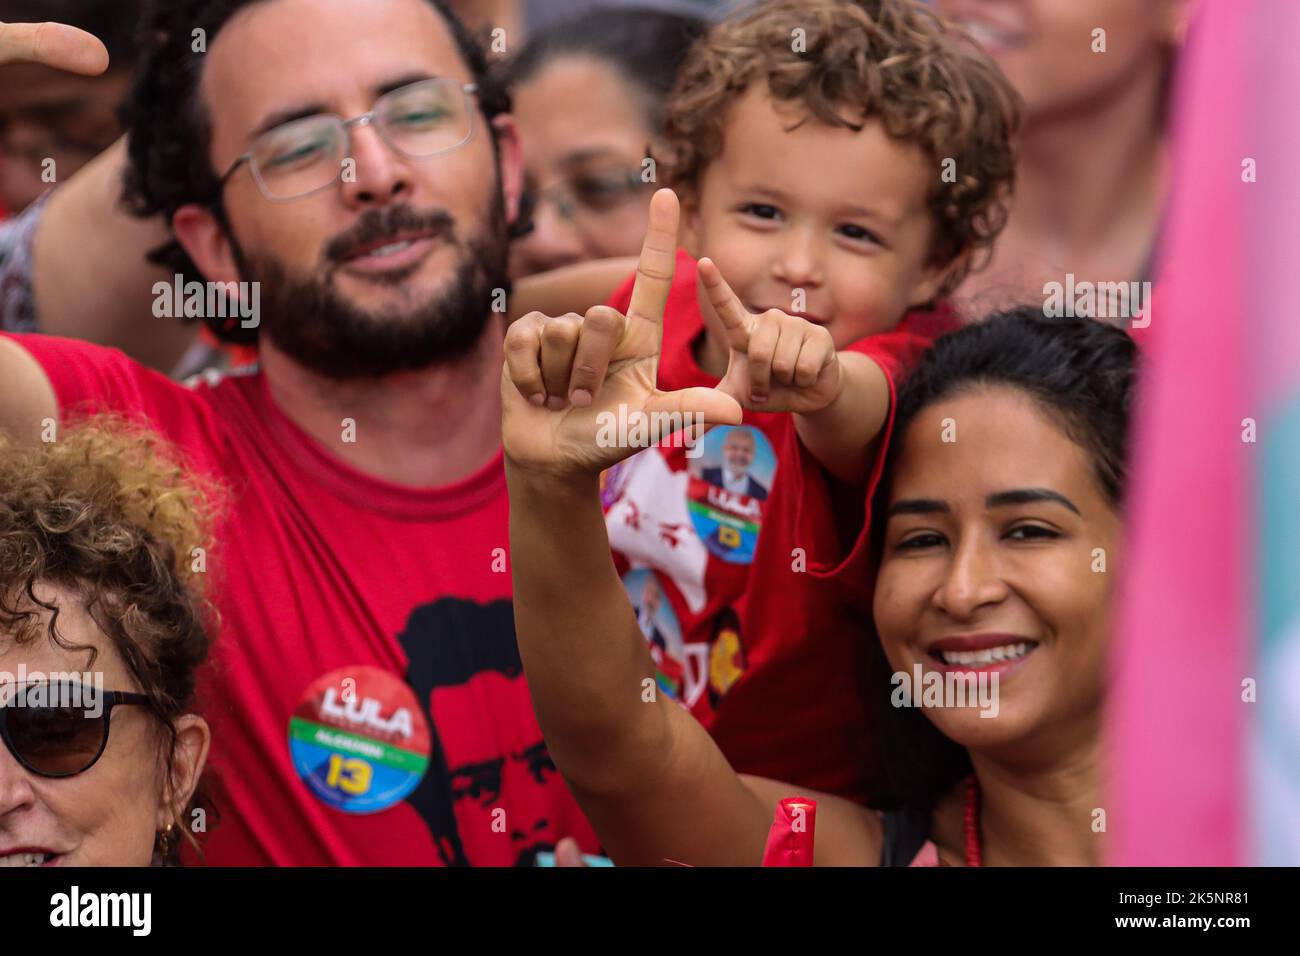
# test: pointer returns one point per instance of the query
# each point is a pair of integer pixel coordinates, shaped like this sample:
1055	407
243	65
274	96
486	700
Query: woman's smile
989	653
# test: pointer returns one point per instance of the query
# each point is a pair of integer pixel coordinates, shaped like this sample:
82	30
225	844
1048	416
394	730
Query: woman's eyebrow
918	506
1025	496
589	154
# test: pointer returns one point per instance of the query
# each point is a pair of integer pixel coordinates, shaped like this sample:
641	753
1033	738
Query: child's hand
779	362
570	381
54	45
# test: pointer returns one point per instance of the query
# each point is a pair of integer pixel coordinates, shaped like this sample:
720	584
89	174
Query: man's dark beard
311	323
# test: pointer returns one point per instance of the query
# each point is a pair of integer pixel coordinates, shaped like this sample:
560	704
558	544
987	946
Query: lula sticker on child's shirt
729	483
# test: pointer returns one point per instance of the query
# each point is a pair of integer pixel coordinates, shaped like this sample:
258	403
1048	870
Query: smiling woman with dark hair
102	627
998	534
997	543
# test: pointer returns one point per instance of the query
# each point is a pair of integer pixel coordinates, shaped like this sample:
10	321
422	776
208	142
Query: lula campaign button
358	739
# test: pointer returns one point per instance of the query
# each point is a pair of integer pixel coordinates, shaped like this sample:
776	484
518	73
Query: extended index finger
725	302
654	269
53	44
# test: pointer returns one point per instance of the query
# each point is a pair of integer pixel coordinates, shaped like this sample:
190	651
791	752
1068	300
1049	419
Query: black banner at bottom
930	907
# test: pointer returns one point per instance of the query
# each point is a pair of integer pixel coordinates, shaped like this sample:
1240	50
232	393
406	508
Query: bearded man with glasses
356	161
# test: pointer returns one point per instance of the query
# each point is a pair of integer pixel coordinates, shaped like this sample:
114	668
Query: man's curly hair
850	61
170	133
107	513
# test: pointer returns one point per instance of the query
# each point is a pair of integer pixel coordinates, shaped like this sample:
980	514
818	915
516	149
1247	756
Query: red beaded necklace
974	849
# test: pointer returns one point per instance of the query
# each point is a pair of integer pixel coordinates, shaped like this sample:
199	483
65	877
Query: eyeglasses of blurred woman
102	627
591	200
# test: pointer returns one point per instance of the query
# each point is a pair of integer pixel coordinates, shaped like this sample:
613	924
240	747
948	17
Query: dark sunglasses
56	737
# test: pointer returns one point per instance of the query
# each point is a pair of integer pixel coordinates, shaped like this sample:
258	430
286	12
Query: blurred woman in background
1091	183
588	95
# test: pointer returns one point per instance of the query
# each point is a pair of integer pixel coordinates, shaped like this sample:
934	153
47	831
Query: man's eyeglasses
49	728
304	156
586	196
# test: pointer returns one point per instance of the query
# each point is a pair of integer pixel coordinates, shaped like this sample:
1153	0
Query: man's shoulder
90	379
79	370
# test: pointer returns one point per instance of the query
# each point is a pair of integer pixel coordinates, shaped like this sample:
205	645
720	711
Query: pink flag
1222	351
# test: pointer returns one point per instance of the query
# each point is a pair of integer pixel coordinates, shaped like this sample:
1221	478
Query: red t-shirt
365	695
720	555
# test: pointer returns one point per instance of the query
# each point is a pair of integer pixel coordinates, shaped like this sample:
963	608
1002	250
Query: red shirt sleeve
89	379
834	519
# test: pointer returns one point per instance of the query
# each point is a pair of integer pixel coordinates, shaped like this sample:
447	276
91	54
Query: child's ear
931	279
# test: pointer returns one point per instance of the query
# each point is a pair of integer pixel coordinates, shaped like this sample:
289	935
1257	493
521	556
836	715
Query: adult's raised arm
574	288
90	277
27	399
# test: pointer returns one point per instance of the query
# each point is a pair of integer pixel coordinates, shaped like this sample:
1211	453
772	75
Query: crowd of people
353	566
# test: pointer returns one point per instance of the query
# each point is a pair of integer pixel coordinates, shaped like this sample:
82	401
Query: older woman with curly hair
102	626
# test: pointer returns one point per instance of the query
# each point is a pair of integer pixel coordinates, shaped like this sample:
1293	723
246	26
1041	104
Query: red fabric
319	569
793	833
771	653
